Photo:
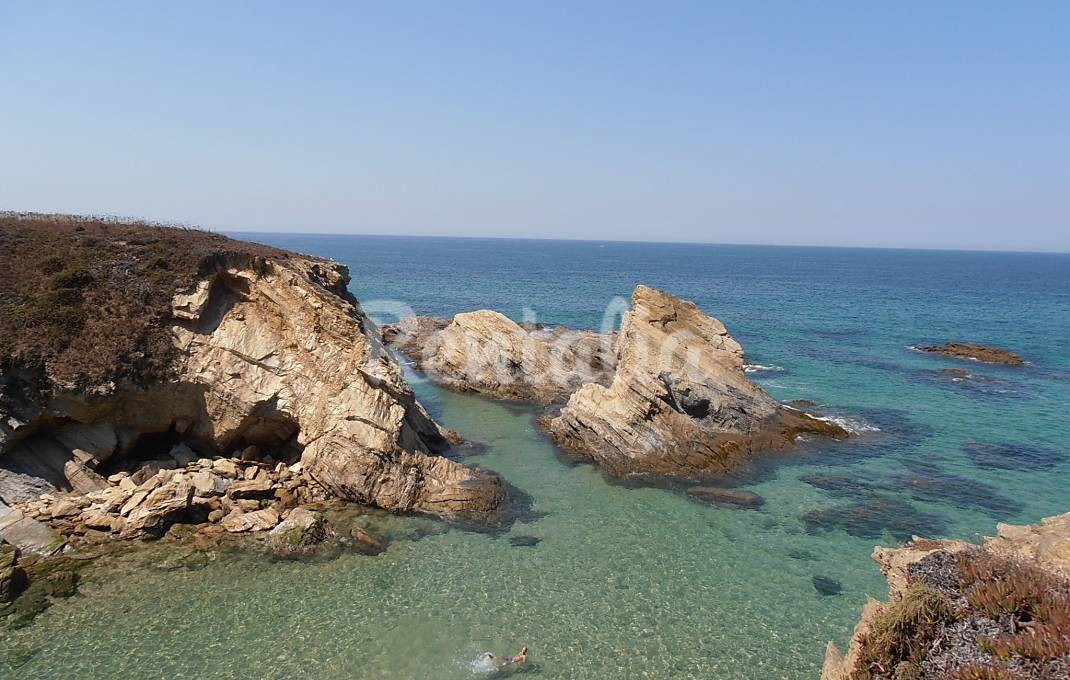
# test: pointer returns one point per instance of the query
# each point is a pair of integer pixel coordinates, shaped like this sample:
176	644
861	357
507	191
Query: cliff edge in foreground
958	611
121	341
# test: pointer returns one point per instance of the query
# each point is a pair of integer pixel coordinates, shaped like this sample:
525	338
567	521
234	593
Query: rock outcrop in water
263	353
490	354
974	352
962	611
680	404
666	397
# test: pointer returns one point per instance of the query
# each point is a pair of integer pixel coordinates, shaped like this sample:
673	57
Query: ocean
610	581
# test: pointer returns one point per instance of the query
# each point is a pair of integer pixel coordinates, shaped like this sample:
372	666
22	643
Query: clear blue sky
917	124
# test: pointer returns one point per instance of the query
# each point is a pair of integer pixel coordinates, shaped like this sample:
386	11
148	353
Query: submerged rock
871	516
826	586
1007	456
680	404
735	498
975	352
524	541
302	532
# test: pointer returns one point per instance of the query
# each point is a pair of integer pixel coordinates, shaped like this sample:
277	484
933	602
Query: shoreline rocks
239	496
974	352
271	353
946	577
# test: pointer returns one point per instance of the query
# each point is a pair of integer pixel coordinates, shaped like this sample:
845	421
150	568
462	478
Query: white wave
759	368
852	425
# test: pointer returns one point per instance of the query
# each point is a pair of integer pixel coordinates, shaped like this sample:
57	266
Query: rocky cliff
680	404
667	396
253	352
999	611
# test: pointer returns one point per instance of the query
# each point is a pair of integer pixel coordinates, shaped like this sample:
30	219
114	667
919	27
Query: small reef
974	352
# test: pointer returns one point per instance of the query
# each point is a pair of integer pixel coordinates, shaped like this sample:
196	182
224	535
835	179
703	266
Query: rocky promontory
666	397
680	403
997	611
974	352
121	341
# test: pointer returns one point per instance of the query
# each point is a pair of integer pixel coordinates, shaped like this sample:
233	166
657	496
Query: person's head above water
522	656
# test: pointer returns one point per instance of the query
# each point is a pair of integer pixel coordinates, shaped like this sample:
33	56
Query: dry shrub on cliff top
980	672
84	301
1037	604
903	631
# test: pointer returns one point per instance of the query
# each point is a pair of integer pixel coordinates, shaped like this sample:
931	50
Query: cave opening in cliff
267	432
168	448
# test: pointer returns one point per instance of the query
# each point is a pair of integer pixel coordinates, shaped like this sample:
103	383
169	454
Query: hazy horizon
243	233
920	127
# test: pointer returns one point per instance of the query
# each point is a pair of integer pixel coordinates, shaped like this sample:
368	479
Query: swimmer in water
506	662
521	658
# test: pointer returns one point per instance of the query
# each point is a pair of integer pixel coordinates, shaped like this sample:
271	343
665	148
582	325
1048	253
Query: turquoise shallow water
629	582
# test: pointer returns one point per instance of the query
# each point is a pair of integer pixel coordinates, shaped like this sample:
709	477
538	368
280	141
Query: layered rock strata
270	354
488	353
666	397
680	404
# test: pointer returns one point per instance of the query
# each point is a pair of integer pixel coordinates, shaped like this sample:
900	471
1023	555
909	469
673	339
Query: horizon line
635	241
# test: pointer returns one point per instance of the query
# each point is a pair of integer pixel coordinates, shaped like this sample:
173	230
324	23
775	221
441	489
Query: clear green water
636	583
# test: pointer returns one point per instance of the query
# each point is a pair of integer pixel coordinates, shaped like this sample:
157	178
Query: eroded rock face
488	353
975	352
680	404
273	354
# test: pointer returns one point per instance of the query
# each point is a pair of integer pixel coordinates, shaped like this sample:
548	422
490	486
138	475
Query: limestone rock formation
975	352
270	355
679	404
1019	557
488	353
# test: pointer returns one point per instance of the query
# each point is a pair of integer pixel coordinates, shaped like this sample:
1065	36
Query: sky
905	124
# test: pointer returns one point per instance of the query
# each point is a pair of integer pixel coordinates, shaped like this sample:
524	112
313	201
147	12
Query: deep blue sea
643	583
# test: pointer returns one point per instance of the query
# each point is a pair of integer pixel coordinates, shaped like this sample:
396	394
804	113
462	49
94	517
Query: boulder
206	484
182	454
27	534
300	533
255	488
12	577
258	520
227	468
